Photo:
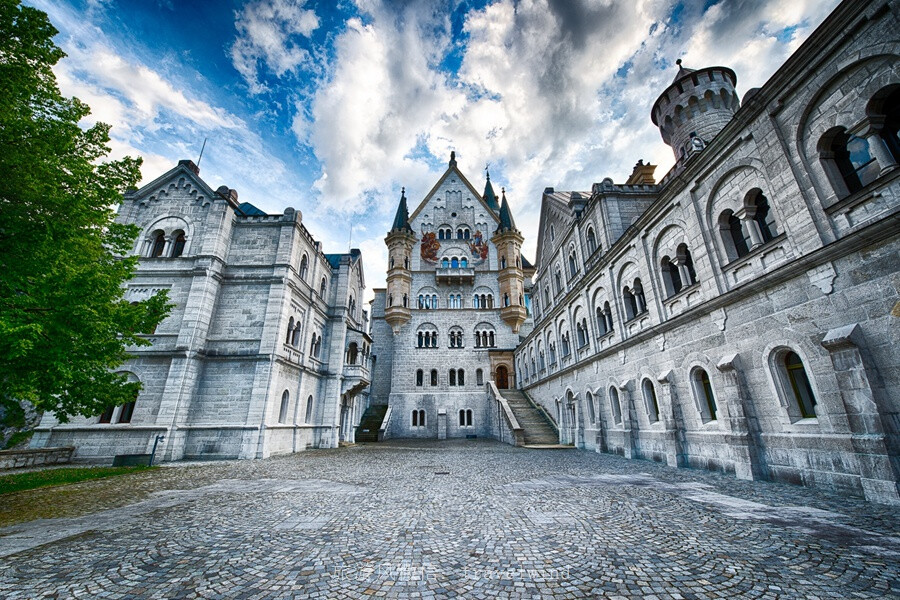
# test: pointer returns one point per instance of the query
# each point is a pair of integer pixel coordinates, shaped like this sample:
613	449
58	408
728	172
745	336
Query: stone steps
370	422
538	430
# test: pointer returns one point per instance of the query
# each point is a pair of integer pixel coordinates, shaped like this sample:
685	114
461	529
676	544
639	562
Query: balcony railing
455	276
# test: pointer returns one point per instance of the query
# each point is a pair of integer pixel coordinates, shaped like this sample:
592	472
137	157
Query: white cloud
267	39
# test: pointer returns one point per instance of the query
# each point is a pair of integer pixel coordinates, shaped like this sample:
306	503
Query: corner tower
695	107
511	278
400	241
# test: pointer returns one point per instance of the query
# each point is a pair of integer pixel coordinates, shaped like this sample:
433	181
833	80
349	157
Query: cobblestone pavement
470	519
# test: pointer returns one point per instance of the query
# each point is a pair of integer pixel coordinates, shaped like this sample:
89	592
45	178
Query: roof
682	71
401	219
506	219
250	210
334	260
490	197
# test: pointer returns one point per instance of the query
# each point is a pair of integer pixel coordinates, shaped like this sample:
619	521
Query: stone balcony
451	276
356	378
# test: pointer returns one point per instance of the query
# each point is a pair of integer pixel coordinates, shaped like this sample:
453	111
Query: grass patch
18	482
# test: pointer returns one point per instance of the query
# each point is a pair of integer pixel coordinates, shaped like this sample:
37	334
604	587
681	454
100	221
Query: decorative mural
430	246
478	246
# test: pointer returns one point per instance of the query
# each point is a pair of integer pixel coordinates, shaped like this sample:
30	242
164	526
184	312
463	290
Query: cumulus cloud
269	33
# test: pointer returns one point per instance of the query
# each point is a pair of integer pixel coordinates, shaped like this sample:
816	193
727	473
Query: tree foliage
64	324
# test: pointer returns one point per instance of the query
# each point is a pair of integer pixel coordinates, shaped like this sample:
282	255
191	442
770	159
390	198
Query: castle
266	350
740	314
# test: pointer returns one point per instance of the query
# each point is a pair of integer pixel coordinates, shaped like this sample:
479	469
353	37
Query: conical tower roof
489	197
506	219
401	220
682	71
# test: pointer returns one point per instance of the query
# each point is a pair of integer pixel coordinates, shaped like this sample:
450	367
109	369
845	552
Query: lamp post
158	439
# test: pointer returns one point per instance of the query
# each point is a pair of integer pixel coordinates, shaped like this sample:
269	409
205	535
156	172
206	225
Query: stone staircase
367	431
539	430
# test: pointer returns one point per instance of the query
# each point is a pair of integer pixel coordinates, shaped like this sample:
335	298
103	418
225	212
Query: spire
401	221
489	197
506	218
682	71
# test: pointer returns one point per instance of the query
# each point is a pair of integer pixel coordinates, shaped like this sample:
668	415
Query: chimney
190	165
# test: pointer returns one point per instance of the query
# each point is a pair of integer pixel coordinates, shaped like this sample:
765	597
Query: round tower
695	107
400	241
511	278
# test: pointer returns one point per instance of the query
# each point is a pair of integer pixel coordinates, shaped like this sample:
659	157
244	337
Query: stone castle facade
266	350
742	314
451	314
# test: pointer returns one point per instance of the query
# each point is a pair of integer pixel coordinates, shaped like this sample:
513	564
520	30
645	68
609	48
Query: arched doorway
502	378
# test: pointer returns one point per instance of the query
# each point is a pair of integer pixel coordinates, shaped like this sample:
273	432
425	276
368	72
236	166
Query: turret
695	108
508	241
400	241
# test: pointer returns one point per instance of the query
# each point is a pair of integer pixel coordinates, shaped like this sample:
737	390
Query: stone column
683	272
878	476
752	227
674	448
877	145
628	435
747	462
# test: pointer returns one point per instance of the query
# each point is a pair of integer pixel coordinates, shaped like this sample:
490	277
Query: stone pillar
747	462
878	476
167	249
442	424
628	435
752	227
683	272
674	448
878	147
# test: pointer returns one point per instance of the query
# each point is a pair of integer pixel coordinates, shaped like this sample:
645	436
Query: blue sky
330	107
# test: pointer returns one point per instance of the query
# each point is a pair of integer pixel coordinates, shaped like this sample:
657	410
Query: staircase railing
508	429
384	424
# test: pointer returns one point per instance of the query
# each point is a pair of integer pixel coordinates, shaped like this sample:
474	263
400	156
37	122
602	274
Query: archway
502	378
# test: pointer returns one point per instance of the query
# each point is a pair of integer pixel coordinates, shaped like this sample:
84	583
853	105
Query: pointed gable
452	169
184	175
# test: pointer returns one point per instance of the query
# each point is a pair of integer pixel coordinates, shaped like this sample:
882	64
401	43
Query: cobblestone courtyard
436	520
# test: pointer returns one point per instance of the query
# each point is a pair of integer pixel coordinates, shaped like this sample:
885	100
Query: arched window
465	417
454	262
419	378
589	400
405	296
551	347
614	405
452	376
631	307
573	268
290	331
434	377
565	344
304	267
671	276
883	111
505	299
801	392
463	262
352	353
159	244
733	236
847	161
461	377
649	392
689	275
283	411
322	289
178	247
479	377
445	263
127	410
309	410
502	262
763	215
706	401
580	334
295	338
639	299
557	281
591	240
312	345
418	418
440	234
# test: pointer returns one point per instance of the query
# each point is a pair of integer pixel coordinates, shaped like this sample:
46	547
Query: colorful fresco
478	246
430	246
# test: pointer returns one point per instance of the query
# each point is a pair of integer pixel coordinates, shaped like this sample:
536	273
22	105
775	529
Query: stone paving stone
376	521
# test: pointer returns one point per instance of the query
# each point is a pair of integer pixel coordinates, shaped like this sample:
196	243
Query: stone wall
19	459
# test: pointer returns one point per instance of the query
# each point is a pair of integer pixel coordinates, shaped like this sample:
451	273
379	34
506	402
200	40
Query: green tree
64	325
